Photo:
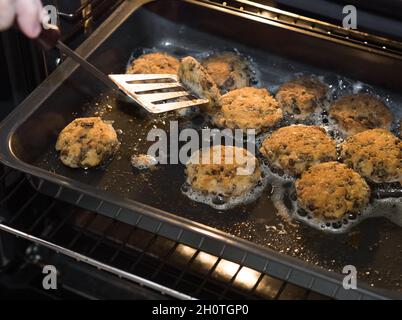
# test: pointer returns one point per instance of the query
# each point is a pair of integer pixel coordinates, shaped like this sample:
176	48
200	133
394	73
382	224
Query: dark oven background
24	65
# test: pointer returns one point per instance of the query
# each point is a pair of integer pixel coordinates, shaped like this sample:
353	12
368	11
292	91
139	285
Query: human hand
27	13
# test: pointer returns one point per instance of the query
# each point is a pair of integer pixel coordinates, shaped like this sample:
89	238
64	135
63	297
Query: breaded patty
296	148
234	172
248	108
302	96
330	190
158	63
87	142
228	70
359	112
196	79
376	154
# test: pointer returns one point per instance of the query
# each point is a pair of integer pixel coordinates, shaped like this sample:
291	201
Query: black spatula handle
49	36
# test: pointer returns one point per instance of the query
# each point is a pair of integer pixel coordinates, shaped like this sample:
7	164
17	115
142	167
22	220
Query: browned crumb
143	161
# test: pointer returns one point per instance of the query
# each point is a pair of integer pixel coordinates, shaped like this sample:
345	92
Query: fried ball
248	108
223	170
87	142
228	70
296	148
154	63
330	190
376	154
302	96
359	112
195	78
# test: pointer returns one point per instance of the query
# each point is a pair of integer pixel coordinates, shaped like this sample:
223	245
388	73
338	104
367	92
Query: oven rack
314	27
128	252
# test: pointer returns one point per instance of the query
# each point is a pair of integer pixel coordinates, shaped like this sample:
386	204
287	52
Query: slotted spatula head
156	92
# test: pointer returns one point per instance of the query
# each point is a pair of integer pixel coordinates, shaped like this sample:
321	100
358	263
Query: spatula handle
49	36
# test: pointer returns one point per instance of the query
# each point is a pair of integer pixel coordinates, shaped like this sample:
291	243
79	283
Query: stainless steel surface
136	86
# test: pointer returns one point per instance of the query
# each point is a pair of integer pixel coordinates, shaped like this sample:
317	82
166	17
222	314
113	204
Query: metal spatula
154	92
139	86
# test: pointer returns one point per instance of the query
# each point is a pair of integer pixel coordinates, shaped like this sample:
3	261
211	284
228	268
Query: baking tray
252	235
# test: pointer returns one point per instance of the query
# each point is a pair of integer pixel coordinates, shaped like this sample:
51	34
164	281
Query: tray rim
22	112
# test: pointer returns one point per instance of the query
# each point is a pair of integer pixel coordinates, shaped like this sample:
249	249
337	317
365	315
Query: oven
106	248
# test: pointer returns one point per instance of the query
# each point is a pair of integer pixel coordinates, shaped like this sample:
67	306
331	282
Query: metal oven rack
321	29
85	18
153	261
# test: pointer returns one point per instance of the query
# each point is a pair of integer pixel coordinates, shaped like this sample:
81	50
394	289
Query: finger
42	12
7	13
28	17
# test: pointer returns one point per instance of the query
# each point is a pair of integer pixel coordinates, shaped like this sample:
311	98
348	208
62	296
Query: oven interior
278	54
171	264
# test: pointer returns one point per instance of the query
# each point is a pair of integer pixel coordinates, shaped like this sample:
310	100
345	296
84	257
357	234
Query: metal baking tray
280	46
